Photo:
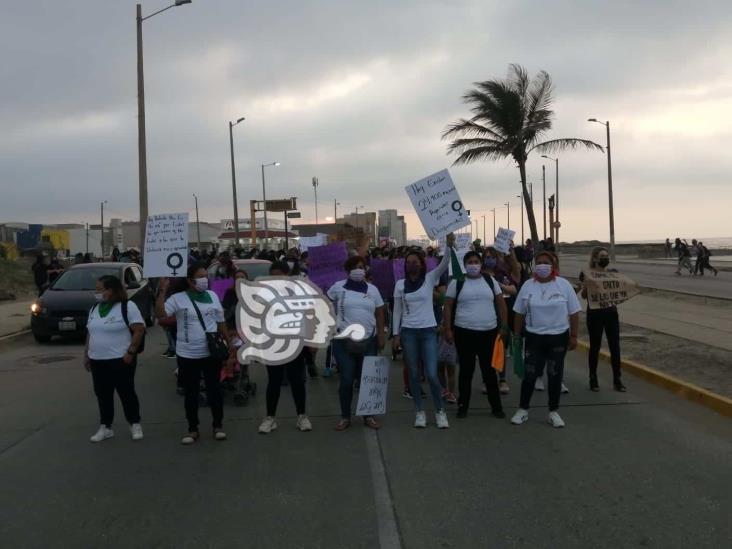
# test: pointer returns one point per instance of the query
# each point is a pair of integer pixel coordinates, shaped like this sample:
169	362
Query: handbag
498	361
217	347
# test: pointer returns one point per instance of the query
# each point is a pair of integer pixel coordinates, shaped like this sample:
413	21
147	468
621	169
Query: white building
393	226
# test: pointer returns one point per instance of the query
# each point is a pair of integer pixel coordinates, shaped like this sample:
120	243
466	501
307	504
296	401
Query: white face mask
472	270
291	264
357	275
542	270
99	297
201	284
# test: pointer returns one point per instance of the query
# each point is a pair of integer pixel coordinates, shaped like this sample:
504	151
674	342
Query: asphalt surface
641	469
661	277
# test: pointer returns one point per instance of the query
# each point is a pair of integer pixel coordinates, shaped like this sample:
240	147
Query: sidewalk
720	264
14	317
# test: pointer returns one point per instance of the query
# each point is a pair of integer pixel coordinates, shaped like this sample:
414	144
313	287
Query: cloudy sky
357	93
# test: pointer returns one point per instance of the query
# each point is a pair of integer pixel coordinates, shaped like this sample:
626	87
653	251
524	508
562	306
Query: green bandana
104	308
201	297
457	272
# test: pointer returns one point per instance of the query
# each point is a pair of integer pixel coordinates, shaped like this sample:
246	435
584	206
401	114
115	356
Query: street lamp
555	230
521	198
233	181
315	190
198	225
609	187
264	203
141	141
484	244
508	213
101	226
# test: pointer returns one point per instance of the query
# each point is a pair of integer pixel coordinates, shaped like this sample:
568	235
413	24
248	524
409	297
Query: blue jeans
421	344
350	367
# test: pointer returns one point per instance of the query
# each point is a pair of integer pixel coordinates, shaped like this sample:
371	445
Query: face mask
603	262
201	284
543	270
357	275
490	262
291	264
99	297
472	270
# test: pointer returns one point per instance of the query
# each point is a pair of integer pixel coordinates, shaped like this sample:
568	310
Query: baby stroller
236	381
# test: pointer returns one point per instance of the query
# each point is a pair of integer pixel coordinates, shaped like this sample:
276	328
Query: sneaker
407	394
555	420
503	388
190	438
303	423
565	389
328	372
136	431
539	385
521	416
268	425
103	433
450	398
312	371
619	387
594	385
420	420
219	434
500	414
441	420
169	354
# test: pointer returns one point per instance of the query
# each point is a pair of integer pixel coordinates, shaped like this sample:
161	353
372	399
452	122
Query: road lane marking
388	526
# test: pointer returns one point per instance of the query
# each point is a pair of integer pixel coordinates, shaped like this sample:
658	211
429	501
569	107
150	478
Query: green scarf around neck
201	297
104	308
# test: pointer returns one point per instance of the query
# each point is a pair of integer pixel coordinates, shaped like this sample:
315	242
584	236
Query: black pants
189	376
111	375
699	265
295	375
599	320
541	351
469	344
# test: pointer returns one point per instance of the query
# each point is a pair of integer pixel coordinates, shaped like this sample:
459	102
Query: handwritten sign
325	264
382	276
306	242
374	385
463	242
438	205
503	240
607	289
166	245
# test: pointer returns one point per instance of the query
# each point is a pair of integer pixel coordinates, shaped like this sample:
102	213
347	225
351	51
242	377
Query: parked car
64	306
253	267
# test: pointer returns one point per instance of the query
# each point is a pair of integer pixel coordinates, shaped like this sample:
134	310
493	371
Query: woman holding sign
414	328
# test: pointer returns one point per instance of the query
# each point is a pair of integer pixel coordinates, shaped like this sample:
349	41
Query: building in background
365	221
392	226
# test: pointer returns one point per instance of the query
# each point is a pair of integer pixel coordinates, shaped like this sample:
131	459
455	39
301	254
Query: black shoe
312	371
619	387
462	413
594	386
500	414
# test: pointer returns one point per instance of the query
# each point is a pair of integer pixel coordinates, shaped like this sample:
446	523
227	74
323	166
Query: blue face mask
490	262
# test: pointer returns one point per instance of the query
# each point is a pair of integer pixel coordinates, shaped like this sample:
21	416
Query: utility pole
141	140
87	238
315	189
543	184
508	214
233	181
521	198
494	222
102	226
610	194
335	211
484	244
198	226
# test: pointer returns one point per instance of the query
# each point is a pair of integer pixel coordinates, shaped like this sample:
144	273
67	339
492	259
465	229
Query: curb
689	391
15	334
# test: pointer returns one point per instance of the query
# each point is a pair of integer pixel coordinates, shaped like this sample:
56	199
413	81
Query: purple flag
382	276
398	266
431	263
219	287
325	264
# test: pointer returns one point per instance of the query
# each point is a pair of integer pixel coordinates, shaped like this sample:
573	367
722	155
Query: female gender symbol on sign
175	261
457	207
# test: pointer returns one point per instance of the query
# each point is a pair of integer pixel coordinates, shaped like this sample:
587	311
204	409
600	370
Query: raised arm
434	275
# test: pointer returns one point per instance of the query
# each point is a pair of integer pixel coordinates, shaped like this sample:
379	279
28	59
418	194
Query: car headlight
37	308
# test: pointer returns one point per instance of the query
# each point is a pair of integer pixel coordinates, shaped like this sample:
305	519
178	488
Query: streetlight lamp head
592	120
182	2
241	120
275	163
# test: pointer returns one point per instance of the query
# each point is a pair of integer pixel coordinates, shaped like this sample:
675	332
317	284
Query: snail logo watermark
278	316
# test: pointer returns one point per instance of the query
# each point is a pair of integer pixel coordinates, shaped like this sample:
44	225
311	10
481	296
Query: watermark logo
278	316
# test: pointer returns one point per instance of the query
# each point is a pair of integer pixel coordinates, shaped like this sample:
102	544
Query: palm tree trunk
528	204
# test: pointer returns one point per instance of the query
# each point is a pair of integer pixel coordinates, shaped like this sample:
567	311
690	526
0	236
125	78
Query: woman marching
115	330
356	302
198	311
599	320
474	307
414	329
549	310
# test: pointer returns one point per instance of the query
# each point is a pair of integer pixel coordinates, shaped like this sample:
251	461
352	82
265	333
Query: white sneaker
555	420
565	389
136	431
521	416
441	420
420	420
503	388
539	385
303	423
268	425
102	434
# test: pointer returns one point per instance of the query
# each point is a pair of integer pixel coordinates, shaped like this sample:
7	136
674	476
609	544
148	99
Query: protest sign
325	264
382	276
438	205
166	245
462	246
607	288
220	287
503	240
306	242
374	385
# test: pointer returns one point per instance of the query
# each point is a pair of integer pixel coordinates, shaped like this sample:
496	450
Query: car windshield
82	279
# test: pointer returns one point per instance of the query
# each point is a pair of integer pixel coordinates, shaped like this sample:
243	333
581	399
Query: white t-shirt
415	309
474	309
191	341
109	337
547	306
355	307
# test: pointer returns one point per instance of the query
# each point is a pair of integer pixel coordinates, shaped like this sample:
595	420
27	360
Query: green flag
457	272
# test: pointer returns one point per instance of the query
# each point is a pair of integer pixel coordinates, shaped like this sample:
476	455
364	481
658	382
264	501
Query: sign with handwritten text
608	288
325	264
503	240
166	245
438	204
374	386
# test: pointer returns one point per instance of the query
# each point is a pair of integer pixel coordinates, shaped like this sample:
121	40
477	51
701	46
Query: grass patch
16	277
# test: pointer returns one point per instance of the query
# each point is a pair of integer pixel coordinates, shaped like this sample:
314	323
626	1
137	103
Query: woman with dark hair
197	311
114	334
356	302
414	327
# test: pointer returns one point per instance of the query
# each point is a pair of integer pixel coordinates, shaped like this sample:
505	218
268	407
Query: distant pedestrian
706	254
667	247
40	273
698	254
684	256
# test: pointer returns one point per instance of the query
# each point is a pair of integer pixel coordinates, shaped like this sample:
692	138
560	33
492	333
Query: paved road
662	277
643	469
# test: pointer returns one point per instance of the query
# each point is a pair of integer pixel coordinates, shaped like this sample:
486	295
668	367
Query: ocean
713	243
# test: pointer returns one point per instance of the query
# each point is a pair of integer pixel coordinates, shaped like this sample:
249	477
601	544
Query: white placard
374	385
166	245
306	242
438	205
463	241
503	240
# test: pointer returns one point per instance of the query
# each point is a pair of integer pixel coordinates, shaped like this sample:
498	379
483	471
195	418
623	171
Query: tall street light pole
198	224
556	199
141	140
483	229
264	203
315	190
335	210
494	222
233	182
521	198
609	187
543	184
508	214
101	226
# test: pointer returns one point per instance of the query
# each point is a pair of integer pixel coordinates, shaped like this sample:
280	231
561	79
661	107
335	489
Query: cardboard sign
503	240
221	286
166	245
463	242
325	264
306	242
374	386
438	205
606	289
382	276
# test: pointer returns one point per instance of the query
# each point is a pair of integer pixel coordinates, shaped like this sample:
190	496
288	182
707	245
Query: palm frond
469	128
518	78
498	105
472	154
554	146
540	96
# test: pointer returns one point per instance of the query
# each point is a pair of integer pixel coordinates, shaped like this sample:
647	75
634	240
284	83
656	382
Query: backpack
460	283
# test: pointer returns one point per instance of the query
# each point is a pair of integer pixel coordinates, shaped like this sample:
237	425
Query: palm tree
509	119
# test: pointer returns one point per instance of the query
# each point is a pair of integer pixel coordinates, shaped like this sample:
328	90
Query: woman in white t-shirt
356	302
549	309
191	346
469	319
414	326
112	342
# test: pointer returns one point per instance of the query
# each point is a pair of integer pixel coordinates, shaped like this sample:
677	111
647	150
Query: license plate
67	326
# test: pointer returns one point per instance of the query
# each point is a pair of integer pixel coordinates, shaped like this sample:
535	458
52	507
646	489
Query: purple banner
325	264
432	263
382	276
219	287
398	268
